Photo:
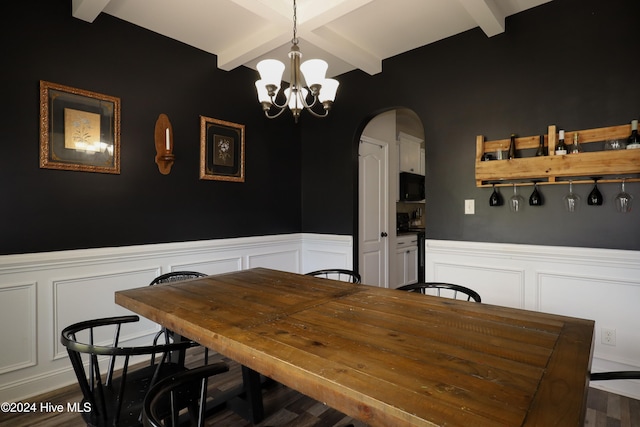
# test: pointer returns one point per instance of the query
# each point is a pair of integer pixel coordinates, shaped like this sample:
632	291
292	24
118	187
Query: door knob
383	234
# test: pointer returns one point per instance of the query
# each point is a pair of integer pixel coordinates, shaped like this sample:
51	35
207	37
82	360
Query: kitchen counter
410	231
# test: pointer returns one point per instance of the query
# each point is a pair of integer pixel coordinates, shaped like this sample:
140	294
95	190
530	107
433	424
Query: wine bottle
540	150
576	147
634	140
512	147
561	148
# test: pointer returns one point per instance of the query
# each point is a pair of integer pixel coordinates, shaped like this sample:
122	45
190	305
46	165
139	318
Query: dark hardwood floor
285	407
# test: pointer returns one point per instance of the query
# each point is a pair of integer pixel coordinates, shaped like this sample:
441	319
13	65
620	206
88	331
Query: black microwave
411	187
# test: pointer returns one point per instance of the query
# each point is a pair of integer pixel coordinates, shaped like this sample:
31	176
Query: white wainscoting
42	293
597	284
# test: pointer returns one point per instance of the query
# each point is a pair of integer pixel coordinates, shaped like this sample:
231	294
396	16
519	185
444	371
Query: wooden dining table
384	356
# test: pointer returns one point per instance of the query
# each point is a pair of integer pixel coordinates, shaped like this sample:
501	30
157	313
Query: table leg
253	394
246	401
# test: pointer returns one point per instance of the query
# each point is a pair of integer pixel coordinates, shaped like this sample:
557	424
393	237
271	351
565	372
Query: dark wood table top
384	356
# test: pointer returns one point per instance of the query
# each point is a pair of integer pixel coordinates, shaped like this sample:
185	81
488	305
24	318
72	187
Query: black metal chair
176	276
615	375
166	399
251	389
443	289
337	274
115	400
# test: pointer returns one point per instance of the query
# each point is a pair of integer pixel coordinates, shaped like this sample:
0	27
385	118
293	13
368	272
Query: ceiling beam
487	14
316	14
314	26
341	48
88	10
251	47
262	41
312	21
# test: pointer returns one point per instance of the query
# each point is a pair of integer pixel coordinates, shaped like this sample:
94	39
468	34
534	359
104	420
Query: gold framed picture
221	150
79	129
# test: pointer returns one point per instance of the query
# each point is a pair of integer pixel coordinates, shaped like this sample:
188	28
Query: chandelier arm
309	106
326	113
279	113
286	101
275	104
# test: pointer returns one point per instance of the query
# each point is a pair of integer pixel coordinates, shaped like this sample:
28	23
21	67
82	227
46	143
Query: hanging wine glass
536	198
516	202
496	198
595	197
571	200
623	200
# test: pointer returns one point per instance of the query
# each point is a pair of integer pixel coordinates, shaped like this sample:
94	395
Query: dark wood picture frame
79	129
221	150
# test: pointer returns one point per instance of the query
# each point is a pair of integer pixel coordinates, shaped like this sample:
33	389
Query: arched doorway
378	204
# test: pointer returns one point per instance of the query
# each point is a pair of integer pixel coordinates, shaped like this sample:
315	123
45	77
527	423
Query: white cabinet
409	157
411	154
406	259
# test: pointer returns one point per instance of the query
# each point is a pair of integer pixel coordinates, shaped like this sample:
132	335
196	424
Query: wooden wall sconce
164	144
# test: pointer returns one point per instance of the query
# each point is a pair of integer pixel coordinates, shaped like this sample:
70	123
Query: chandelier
322	90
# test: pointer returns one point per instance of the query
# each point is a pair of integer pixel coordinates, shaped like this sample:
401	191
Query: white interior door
373	207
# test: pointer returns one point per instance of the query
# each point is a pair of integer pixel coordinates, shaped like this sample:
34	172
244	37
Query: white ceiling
348	34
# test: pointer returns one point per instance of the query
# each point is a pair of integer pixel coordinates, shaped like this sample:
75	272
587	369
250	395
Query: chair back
337	274
176	276
615	375
166	399
443	290
112	398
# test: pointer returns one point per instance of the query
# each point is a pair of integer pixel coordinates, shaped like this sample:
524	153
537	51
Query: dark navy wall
44	210
572	63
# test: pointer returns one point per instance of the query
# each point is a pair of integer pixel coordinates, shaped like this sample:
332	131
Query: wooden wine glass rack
607	165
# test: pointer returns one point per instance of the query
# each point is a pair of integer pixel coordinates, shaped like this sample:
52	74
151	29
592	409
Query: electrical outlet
469	207
608	336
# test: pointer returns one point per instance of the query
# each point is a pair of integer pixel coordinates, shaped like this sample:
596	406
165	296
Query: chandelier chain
295	24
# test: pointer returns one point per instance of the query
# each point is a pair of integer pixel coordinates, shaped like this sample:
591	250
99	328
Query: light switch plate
469	207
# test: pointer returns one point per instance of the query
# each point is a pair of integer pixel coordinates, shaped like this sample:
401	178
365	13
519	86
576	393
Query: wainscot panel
91	297
598	284
42	293
17	321
326	251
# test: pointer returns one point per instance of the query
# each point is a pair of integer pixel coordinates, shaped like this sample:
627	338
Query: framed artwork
79	130
221	150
